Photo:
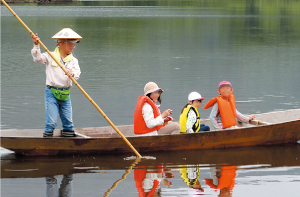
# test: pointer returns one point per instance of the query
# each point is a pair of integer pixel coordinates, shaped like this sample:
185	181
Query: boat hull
281	133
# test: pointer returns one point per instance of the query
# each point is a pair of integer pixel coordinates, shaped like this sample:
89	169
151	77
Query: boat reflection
192	173
32	167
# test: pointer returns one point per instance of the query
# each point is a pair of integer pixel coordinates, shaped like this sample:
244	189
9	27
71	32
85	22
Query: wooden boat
276	128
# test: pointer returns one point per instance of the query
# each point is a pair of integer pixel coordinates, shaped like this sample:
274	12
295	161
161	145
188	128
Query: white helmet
195	96
67	33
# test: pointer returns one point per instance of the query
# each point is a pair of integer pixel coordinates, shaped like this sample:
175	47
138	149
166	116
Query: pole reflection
136	161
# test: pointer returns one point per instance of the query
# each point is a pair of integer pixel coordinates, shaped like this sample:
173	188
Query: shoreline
37	1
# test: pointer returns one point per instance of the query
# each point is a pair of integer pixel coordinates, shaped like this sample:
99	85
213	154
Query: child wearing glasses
189	119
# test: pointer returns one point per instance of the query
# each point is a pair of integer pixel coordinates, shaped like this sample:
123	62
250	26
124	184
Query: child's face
225	91
197	103
155	95
68	47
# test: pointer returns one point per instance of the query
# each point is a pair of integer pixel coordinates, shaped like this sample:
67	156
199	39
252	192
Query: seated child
224	112
189	119
148	120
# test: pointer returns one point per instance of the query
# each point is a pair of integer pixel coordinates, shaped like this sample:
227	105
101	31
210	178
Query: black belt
58	88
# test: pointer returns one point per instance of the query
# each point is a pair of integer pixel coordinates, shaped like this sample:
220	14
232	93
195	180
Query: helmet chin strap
58	43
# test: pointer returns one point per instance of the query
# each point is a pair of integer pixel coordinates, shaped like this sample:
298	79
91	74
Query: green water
184	46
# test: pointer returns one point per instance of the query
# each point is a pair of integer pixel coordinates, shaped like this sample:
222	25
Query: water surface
182	45
260	171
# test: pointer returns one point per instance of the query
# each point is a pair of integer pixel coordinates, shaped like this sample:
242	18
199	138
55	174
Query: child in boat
58	82
224	112
189	119
148	120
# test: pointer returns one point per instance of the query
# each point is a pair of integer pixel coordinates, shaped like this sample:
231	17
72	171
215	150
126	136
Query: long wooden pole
74	81
136	161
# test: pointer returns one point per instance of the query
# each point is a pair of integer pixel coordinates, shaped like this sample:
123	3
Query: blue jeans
55	107
65	186
204	128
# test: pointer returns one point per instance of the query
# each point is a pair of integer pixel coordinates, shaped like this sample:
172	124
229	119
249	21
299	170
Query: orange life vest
140	126
139	176
227	110
227	178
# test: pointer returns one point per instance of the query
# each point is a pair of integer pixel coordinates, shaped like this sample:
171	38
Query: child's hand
166	113
69	73
167	119
251	117
35	39
166	183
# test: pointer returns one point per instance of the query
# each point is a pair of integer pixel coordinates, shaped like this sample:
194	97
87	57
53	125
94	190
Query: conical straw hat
66	33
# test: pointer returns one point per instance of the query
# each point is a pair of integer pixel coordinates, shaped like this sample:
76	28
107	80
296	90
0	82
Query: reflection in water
223	179
190	175
123	177
260	169
65	189
147	181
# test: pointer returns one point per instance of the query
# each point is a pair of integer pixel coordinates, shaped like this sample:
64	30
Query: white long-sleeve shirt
148	182
191	119
55	76
150	121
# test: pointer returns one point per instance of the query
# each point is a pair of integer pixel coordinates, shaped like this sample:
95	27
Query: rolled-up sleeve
76	69
38	57
149	117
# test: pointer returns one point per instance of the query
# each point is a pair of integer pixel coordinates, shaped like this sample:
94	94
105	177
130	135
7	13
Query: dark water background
182	45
